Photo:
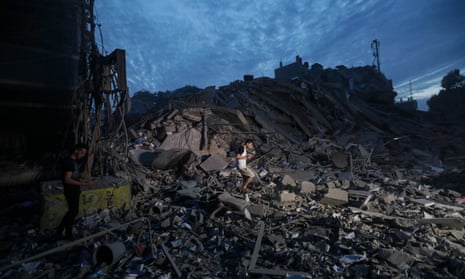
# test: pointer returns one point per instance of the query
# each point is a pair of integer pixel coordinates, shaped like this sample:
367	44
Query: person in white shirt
242	155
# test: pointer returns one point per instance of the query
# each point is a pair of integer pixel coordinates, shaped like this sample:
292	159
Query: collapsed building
347	185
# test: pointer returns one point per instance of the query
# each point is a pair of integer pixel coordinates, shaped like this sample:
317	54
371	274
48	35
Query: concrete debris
345	188
335	197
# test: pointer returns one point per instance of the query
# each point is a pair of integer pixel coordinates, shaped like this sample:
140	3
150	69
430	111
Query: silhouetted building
39	70
290	71
409	105
364	82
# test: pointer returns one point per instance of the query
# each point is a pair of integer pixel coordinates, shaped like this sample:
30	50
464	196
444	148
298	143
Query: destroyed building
347	186
343	189
364	82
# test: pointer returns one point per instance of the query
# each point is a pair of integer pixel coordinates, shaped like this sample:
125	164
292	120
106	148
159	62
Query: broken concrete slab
307	187
173	158
335	197
214	163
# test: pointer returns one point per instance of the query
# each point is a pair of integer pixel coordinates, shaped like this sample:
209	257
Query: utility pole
375	48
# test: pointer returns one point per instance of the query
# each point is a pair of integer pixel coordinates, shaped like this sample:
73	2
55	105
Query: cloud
170	44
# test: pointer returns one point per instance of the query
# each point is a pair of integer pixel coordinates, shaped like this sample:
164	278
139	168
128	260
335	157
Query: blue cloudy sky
173	43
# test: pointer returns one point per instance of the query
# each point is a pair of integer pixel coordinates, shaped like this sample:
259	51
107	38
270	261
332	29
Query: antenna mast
410	87
375	48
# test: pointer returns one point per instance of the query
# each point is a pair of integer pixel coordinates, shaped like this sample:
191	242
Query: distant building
364	82
248	77
409	105
291	71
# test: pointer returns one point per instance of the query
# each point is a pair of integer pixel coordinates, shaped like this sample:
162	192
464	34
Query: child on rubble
242	155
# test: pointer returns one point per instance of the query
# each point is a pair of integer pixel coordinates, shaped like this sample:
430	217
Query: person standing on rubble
71	179
242	155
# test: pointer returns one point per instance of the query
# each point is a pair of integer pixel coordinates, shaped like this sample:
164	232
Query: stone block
285	196
213	163
336	197
331	185
192	115
288	181
257	210
307	187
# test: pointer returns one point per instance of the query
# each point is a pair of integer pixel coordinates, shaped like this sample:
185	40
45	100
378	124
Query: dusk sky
173	43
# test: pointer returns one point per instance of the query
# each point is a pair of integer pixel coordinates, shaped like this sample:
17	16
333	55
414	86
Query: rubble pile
344	189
